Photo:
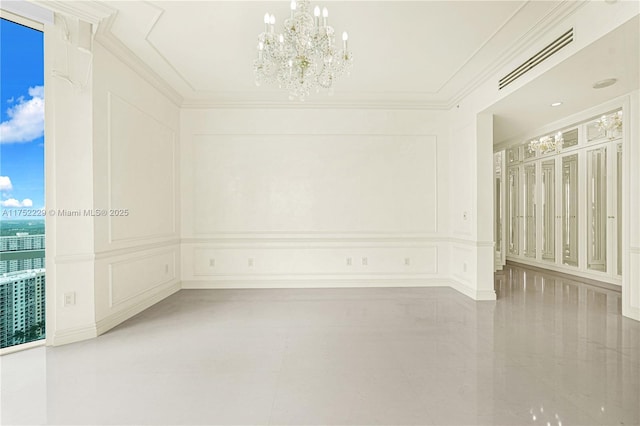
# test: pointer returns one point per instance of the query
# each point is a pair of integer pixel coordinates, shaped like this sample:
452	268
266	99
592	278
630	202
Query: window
21	177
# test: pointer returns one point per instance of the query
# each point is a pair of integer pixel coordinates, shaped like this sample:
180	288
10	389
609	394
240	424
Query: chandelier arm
303	56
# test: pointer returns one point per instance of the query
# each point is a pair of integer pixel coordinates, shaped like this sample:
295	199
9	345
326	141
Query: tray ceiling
406	53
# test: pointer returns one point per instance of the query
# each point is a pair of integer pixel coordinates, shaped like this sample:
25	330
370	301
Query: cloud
12	202
5	183
26	118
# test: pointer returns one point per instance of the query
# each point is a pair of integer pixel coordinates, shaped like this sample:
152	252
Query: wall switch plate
365	261
407	261
349	261
212	262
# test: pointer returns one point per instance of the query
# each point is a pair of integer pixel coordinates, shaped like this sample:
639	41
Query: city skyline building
22	306
22	252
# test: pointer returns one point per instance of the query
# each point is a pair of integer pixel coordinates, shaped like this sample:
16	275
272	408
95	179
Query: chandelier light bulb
304	55
611	124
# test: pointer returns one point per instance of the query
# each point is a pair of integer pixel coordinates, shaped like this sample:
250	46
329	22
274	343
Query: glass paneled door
530	210
619	206
549	210
513	195
570	210
597	209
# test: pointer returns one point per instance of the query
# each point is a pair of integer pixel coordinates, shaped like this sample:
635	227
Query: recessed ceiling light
605	83
555	104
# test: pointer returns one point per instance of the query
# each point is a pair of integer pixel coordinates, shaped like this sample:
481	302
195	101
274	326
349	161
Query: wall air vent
549	50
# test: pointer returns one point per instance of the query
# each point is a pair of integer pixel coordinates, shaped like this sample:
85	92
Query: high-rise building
22	306
21	252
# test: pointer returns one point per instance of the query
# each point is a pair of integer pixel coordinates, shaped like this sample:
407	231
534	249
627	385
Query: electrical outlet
212	262
349	261
70	298
250	262
407	261
365	261
464	215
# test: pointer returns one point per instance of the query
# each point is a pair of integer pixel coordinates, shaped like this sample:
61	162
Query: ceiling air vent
552	48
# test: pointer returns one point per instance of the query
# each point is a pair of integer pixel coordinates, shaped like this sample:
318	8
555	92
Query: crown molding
109	41
103	16
90	10
526	42
384	104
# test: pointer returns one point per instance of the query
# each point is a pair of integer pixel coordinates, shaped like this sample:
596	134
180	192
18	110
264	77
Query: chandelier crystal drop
546	144
610	124
303	57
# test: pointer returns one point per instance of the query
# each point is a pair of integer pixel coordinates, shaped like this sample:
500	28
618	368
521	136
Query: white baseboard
472	293
315	283
119	317
72	335
21	347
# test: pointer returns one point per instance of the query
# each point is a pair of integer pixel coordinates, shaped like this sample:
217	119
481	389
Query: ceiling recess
533	61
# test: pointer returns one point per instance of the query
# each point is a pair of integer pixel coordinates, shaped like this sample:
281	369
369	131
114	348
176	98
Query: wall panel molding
127	277
114	253
118	317
109	41
320	183
128	112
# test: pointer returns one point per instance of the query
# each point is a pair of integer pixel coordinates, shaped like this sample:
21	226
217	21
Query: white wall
136	174
631	209
306	197
111	145
470	204
69	186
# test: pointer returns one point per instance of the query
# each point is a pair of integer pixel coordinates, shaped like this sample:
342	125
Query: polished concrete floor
549	352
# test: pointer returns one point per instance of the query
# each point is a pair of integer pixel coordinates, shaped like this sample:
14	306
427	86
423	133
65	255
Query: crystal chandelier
302	58
546	143
610	124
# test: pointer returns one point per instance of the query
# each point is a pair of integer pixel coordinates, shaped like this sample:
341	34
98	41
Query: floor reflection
570	337
550	351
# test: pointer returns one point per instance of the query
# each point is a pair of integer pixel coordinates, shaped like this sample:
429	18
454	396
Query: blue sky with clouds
22	116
